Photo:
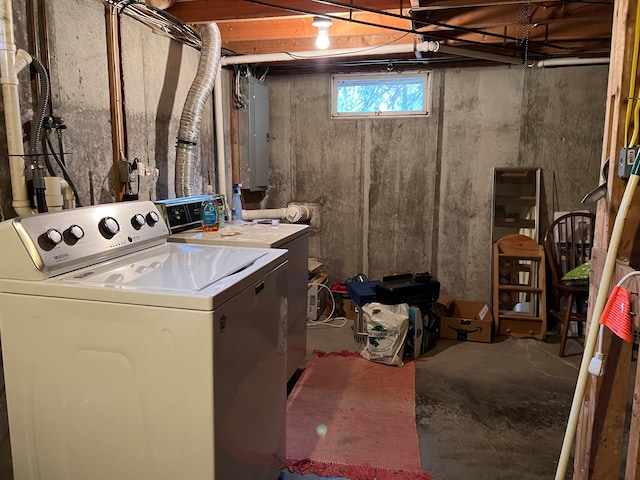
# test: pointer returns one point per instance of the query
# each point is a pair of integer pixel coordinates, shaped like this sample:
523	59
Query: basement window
381	95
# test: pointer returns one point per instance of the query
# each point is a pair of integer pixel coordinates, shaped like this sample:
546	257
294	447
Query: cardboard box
445	302
315	267
468	321
317	296
345	307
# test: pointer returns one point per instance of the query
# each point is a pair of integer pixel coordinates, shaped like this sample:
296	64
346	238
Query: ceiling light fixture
322	24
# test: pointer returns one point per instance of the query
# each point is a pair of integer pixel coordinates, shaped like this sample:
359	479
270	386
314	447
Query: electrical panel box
255	141
625	161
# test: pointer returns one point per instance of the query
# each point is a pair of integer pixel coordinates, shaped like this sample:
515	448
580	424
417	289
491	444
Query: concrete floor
487	411
490	411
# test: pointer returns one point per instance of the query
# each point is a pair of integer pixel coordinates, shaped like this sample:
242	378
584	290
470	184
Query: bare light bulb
322	24
322	41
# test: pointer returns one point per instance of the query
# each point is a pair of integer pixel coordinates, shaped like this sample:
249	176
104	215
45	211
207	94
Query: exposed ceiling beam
451	4
546	27
497	15
202	11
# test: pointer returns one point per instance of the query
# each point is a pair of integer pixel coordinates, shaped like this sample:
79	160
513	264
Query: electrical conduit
10	64
189	131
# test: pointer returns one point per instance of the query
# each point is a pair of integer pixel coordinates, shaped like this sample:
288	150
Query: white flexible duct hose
10	100
189	131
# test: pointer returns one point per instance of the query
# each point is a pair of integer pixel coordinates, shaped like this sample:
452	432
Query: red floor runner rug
349	417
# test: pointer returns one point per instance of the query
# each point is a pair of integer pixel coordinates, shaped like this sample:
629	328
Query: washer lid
247	234
171	267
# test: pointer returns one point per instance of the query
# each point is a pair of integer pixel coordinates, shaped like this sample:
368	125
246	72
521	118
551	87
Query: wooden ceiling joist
551	27
202	11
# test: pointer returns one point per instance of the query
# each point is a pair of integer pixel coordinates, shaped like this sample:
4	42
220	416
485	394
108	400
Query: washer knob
109	226
138	221
53	237
152	218
75	232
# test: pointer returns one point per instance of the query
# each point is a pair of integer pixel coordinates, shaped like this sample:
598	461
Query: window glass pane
380	95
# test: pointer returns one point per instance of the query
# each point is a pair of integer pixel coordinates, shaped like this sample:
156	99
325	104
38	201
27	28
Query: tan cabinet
519	303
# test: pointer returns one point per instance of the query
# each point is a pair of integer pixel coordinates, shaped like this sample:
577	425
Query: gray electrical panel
255	142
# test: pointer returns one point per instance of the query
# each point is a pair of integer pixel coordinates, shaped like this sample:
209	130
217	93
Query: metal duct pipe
10	64
189	131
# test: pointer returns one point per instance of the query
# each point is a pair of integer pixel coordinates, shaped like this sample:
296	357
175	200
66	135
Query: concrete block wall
415	193
394	194
157	75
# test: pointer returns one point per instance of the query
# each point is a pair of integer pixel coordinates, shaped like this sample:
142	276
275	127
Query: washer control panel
62	241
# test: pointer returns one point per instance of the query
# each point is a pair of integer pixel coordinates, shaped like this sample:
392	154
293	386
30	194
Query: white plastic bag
387	327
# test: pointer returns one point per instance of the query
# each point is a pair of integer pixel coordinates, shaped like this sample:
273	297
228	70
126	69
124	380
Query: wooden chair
568	244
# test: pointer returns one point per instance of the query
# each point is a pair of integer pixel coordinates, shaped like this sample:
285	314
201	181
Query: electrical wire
349	53
632	83
330	318
636	124
599	354
240	100
159	20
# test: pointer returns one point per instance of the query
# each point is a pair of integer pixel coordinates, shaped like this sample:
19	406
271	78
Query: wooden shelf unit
519	295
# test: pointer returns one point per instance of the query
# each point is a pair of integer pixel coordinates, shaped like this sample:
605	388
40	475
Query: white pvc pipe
574	61
297	213
288	57
10	100
53	193
360	52
69	195
271	213
220	155
292	213
465	52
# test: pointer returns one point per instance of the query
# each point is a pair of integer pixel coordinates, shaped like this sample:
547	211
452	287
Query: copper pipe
118	139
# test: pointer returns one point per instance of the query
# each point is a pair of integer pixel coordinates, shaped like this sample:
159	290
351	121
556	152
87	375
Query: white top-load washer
127	357
183	216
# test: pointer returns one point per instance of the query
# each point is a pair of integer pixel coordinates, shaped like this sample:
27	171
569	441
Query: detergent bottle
209	212
236	203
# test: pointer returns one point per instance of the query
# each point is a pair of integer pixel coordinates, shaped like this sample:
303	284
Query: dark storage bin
362	292
419	290
416	290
